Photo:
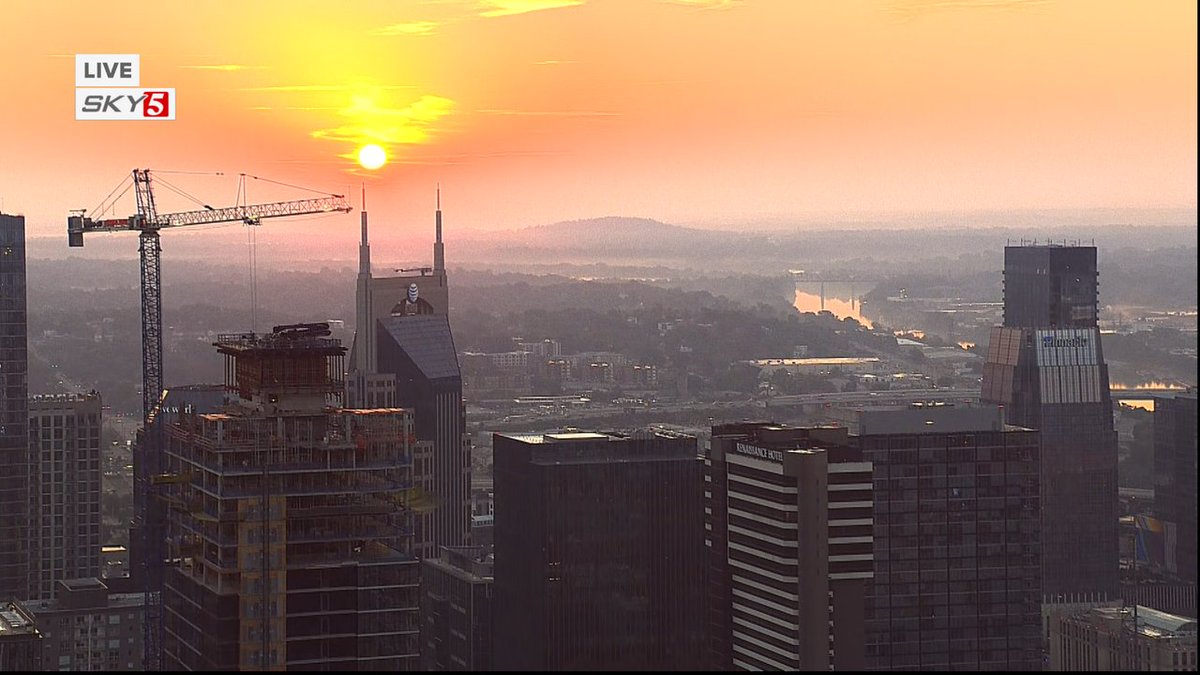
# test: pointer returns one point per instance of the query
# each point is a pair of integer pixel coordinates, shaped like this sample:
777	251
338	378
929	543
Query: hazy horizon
715	112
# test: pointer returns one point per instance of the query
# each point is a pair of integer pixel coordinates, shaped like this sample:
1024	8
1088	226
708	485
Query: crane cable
252	251
104	204
298	187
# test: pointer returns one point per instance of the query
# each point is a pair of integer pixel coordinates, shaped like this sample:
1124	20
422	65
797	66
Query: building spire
364	246
439	249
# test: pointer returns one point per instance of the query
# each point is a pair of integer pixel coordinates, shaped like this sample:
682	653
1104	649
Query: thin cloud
291	107
225	67
408	28
463	158
321	87
706	4
549	113
368	122
494	8
552	62
907	10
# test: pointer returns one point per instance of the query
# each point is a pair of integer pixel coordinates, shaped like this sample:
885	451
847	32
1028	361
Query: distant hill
614	234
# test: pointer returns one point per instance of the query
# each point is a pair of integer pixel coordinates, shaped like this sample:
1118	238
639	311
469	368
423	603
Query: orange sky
531	111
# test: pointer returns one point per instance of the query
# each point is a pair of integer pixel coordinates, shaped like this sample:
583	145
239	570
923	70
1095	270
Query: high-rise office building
599	552
456	609
86	626
1046	367
1175	476
290	519
64	490
417	351
788	514
957	582
403	355
14	412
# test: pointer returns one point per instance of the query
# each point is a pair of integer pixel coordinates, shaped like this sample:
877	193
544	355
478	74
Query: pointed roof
428	342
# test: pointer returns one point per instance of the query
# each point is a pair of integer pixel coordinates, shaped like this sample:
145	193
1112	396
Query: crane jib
77	225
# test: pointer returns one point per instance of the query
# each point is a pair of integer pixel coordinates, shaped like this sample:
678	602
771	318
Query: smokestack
439	249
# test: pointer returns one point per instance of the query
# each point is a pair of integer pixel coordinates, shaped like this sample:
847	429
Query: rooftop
820	361
1151	622
12	623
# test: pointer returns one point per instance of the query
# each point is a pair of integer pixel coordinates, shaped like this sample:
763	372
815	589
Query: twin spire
364	246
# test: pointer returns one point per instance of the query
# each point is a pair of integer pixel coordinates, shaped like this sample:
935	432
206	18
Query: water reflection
840	299
1143	403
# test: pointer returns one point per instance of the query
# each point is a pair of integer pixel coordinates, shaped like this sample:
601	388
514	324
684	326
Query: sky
533	111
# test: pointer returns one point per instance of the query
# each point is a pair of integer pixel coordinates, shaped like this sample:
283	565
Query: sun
372	156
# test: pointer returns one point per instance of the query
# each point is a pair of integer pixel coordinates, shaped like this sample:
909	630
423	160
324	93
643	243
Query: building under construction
289	520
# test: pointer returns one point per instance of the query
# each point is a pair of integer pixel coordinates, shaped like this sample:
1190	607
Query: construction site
290	521
277	524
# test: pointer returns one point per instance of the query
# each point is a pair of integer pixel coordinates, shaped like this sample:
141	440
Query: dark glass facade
599	552
1046	367
1050	286
14	412
957	582
456	610
1175	475
418	350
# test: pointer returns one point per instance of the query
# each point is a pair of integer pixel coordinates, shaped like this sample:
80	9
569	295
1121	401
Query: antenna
439	249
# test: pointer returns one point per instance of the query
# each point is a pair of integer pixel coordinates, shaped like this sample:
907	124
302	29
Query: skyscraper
290	519
1175	475
403	354
14	412
788	520
957	582
456	609
64	490
599	552
1045	365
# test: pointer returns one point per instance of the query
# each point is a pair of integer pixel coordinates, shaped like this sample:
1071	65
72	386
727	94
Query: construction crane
147	222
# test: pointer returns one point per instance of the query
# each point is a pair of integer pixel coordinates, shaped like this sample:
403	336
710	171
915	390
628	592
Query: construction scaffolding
291	520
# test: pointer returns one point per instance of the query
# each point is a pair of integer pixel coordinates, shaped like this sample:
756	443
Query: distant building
599	552
456	610
292	519
1105	639
789	530
14	413
544	348
1175	477
403	355
20	642
88	627
821	365
1046	367
957	582
64	490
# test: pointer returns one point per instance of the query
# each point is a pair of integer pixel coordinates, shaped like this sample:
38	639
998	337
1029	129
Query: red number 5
157	104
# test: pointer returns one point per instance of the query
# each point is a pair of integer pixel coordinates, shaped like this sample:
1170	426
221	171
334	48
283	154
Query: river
842	299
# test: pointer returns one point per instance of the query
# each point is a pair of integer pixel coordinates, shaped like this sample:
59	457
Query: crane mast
149	516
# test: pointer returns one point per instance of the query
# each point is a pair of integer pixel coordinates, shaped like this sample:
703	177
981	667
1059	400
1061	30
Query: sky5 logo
106	88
